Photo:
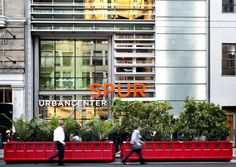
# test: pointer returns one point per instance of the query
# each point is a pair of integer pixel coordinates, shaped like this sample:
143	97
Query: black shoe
61	164
50	159
143	163
124	162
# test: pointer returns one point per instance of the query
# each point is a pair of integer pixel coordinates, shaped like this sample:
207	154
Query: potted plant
35	140
198	121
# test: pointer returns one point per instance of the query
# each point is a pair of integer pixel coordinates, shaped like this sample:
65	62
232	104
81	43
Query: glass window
124	60
1	95
124	69
8	96
144	60
228	59
46	83
228	6
143	78
144	69
124	78
70	64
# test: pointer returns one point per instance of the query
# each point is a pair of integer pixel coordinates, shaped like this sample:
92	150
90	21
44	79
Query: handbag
136	147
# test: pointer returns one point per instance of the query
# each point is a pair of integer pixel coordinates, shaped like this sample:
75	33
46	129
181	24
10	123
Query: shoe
143	163
61	164
50	159
124	162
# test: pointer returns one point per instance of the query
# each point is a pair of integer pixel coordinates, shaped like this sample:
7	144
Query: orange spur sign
138	88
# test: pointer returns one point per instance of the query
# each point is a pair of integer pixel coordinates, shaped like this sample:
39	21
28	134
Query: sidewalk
1	154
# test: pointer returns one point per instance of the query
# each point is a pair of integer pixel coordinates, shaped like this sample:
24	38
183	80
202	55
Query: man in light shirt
58	138
137	144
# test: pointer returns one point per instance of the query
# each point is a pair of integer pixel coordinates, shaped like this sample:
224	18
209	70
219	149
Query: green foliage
202	119
71	127
99	128
40	130
151	116
198	119
23	129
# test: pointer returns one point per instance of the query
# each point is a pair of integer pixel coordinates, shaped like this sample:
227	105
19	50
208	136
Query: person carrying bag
137	144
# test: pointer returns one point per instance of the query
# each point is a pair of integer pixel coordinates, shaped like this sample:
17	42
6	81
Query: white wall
223	30
16	81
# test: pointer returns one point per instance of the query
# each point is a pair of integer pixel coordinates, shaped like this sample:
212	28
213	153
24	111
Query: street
118	164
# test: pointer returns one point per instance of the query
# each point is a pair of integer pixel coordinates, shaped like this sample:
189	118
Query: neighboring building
222	58
12	60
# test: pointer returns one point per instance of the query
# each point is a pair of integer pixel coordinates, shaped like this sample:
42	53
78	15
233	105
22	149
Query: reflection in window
228	6
124	69
144	69
5	96
124	60
228	59
144	60
70	64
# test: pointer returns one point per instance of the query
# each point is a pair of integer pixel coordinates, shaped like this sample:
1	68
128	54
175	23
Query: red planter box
186	150
41	151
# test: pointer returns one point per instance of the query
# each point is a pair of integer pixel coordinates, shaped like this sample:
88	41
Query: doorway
5	110
231	117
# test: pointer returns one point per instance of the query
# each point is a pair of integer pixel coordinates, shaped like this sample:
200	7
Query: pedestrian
8	135
137	144
74	137
58	138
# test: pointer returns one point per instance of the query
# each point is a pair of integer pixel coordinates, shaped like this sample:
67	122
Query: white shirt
59	135
135	137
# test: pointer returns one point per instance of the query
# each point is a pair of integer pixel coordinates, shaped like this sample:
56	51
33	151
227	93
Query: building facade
222	58
75	43
12	60
58	48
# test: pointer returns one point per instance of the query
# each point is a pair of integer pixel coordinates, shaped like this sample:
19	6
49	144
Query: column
18	101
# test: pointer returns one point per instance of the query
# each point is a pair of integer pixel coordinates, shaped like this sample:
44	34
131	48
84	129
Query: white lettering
67	103
104	103
54	103
41	103
47	103
60	103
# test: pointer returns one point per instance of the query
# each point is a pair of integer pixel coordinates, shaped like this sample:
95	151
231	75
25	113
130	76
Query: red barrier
41	151
183	150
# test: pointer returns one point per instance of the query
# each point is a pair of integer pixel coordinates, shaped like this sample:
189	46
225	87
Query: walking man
136	145
58	138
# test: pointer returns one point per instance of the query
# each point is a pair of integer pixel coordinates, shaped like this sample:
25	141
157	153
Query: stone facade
12	37
12	54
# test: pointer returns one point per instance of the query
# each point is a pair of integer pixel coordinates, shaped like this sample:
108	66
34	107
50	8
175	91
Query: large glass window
95	9
228	6
228	59
71	64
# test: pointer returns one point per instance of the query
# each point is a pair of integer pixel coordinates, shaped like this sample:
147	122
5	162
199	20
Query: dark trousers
60	152
137	151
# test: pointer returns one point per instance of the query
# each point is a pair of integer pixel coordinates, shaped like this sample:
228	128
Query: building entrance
231	117
5	111
5	124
